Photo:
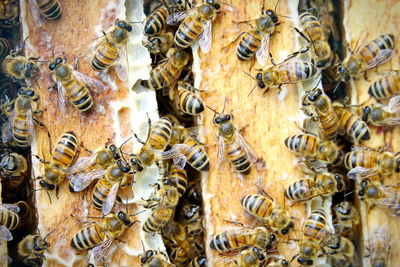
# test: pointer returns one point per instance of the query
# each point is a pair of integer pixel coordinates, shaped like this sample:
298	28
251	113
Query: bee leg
57	189
234	41
41	160
302	35
265	91
366	76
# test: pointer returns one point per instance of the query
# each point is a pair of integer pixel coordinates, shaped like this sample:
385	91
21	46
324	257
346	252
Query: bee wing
247	147
205	38
94	84
390	201
221	149
110	200
62	97
121	67
82	164
262	54
380	58
11	207
176	154
360	148
361	173
6	131
101	250
394	104
30	126
5	234
83	179
176	17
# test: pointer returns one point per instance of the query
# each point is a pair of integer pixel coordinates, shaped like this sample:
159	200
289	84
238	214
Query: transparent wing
110	200
62	97
391	200
361	148
394	104
361	173
382	56
205	38
175	151
262	54
82	164
30	126
100	251
246	146
6	131
391	121
5	234
121	66
94	84
221	150
12	207
83	179
177	17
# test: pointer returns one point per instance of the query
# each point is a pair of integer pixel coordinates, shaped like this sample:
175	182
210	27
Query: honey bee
238	238
179	256
379	247
320	107
9	11
175	234
31	249
251	256
355	128
167	73
63	155
73	85
312	149
9	220
321	53
188	102
100	235
365	162
340	251
12	165
199	261
190	216
325	13
346	216
314	233
19	67
324	185
290	71
50	9
159	44
151	258
4	47
267	211
380	115
374	53
111	49
386	86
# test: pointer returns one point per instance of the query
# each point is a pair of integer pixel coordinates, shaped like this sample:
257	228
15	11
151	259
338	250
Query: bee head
214	3
315	95
124	167
55	63
259	79
123	216
46	185
340	182
343	74
305	261
365	113
221	118
30	69
272	15
123	25
136	164
259	252
147	255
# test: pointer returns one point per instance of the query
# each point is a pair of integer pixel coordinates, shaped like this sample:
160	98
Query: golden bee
9	220
268	212
199	261
290	71
31	249
355	129
111	49
385	87
241	237
73	85
251	256
50	9
20	67
340	251
379	247
159	44
188	102
100	234
325	13
381	115
345	217
318	105
372	54
154	258
13	168
314	149
174	234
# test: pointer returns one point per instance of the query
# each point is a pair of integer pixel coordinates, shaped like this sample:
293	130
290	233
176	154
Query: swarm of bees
173	143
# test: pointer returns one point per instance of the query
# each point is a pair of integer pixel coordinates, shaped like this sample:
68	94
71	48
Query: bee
251	256
232	145
312	149
190	216
175	234
267	211
287	72
4	47
385	87
63	155
179	256
325	13
50	9
379	247
12	165
159	44
365	162
31	249
321	110
9	11
168	72
314	233
355	128
380	115
111	48
324	185
196	24
9	220
193	193
346	216
188	102
73	85
340	251
100	235
374	53
151	258
19	67
199	261
25	213
178	178
321	53
238	238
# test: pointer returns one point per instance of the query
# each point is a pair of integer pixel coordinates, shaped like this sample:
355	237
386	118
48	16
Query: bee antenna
144	248
120	147
249	75
137	213
213	109
254	87
44	239
276	5
349	193
224	105
336	87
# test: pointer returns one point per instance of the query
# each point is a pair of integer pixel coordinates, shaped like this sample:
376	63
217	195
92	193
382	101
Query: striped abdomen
371	50
301	190
385	87
312	27
315	224
158	219
199	261
179	256
78	94
355	128
65	150
162	76
105	55
88	237
238	156
4	47
180	178
9	219
362	158
257	205
20	130
231	240
51	9
189	103
302	144
248	45
156	21
100	193
188	32
196	155
295	71
329	124
160	134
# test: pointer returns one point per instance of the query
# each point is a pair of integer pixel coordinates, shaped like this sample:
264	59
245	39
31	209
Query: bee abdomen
384	88
88	237
299	190
180	178
237	155
196	156
190	103
21	131
65	150
156	21
51	9
79	95
158	219
355	128
302	144
371	50
160	134
187	33
9	219
104	57
257	205
248	45
100	193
